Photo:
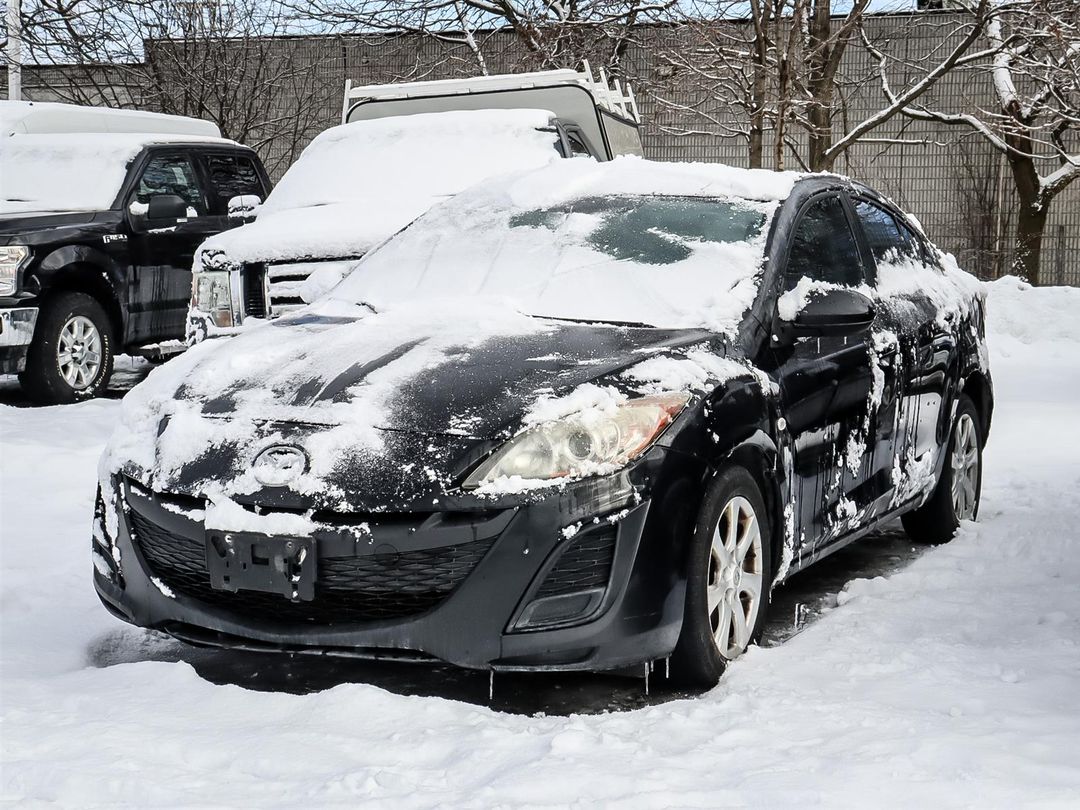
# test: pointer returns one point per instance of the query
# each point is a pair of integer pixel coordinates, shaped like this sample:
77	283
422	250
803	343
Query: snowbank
1030	315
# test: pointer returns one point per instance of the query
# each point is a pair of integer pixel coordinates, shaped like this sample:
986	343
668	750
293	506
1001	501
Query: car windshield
670	261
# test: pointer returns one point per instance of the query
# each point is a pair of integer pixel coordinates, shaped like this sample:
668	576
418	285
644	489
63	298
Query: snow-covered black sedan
579	418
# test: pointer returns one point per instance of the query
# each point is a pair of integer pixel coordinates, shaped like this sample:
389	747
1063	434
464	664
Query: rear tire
956	496
71	355
730	576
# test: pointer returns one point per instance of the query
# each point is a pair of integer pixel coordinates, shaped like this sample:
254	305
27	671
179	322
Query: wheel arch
977	386
758	456
76	273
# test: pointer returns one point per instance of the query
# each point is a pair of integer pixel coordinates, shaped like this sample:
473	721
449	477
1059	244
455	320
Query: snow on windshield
633	242
430	154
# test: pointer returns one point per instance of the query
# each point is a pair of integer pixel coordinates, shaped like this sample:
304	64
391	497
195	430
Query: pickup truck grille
253	281
285	282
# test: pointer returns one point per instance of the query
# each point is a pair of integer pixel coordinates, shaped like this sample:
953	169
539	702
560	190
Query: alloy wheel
735	579
78	352
965	468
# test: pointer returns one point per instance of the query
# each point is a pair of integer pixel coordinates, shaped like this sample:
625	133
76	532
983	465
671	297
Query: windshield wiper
599	322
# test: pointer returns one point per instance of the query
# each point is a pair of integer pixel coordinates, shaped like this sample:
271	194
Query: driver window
823	246
170	174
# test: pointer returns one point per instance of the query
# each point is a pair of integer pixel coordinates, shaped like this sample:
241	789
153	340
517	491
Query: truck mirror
166	206
244	207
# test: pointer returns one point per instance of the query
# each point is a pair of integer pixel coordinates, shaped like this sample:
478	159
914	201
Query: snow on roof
38	117
358	183
520	238
73	172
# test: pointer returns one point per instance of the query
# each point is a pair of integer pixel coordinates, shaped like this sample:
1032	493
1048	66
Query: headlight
211	293
11	259
591	442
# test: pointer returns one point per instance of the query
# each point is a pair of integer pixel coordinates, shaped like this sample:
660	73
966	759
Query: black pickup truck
97	236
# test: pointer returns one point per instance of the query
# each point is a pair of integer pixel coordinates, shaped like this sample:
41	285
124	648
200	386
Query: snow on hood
633	241
369	396
358	183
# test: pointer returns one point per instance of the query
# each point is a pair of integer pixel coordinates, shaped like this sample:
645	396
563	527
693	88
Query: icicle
646	679
491	685
667	668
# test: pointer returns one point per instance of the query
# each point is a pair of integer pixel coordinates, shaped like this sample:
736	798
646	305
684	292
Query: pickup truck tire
71	356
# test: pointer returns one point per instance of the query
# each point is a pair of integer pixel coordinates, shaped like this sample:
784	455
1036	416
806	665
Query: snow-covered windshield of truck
426	156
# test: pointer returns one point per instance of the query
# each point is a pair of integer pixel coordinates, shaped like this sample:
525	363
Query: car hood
332	231
389	409
20	222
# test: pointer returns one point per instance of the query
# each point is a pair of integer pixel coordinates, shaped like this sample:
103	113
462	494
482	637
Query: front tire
730	577
71	356
956	496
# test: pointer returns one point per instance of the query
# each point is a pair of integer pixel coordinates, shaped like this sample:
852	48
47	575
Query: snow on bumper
501	588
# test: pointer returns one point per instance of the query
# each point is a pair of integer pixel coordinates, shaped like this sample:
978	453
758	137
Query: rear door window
231	176
889	240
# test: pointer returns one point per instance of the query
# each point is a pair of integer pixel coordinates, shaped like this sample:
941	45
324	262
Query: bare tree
1033	64
551	33
228	61
781	70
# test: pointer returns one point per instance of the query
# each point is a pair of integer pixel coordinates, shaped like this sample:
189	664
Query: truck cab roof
63	157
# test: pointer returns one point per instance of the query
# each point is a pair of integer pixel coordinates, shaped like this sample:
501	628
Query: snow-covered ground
953	682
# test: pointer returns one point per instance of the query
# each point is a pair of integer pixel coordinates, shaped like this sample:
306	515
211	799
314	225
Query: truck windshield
657	260
424	157
63	172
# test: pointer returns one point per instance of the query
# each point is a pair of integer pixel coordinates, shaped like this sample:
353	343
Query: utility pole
14	49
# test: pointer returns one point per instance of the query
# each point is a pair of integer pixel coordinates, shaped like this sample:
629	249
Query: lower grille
585	563
253	279
347	589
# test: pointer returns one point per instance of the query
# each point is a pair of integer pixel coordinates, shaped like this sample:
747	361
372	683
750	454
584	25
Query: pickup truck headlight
11	259
595	441
211	292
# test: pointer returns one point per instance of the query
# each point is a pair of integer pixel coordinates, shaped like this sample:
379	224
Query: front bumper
635	615
16	333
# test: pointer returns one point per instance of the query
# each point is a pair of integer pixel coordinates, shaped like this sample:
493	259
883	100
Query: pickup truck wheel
71	357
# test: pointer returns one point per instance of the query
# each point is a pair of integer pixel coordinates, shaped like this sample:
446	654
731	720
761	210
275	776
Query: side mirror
166	206
244	207
826	313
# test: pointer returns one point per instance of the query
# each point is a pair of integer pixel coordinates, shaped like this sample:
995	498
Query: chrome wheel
78	352
735	577
965	468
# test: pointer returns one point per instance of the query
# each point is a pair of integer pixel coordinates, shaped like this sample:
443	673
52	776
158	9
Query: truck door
163	247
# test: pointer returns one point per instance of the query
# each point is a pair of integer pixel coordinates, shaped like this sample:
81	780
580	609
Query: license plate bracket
251	562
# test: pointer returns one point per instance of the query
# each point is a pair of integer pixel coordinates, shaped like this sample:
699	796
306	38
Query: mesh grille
347	589
585	563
